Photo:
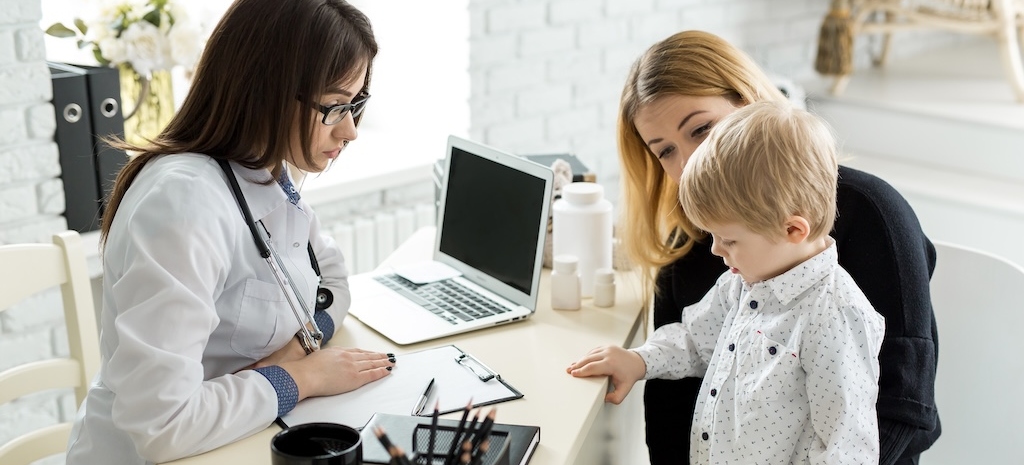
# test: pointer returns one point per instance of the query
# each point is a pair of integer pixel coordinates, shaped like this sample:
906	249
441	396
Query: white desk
576	424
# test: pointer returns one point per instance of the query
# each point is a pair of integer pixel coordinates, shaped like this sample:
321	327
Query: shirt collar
262	198
787	286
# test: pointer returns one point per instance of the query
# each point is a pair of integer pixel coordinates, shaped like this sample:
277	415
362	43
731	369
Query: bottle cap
582	193
565	263
604	275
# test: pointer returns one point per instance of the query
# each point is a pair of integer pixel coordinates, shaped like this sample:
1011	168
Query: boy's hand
624	367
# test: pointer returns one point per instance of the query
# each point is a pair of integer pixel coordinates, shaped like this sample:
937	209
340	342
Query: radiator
366	241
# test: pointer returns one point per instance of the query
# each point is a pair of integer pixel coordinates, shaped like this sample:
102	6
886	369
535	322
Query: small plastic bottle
581	225
565	283
604	287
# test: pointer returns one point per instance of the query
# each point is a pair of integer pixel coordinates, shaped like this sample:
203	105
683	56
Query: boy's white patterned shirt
790	368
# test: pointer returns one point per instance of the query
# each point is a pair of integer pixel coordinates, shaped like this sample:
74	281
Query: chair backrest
980	377
26	269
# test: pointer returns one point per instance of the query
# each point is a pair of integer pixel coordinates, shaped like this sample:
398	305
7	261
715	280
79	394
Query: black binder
87	102
107	118
74	142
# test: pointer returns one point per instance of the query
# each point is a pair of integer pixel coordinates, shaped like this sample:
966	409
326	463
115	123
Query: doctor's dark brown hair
265	62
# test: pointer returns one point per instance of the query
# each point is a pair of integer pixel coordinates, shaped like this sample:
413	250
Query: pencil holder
497	451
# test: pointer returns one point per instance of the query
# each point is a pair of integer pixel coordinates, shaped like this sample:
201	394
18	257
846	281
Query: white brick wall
546	74
545	77
31	203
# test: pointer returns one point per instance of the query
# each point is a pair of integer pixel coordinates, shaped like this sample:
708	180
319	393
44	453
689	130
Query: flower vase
148	104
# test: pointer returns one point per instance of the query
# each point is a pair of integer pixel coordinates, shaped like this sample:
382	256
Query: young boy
787	343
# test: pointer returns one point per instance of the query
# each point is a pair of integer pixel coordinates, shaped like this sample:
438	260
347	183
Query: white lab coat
187	302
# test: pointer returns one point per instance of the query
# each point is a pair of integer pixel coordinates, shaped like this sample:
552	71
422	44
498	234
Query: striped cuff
287	390
326	324
894	437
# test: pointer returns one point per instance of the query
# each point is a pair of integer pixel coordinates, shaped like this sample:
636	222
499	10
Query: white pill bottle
582	226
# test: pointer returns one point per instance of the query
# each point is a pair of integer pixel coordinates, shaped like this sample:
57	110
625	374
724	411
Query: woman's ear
797	229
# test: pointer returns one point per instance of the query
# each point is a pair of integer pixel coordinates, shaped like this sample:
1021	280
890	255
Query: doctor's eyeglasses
335	113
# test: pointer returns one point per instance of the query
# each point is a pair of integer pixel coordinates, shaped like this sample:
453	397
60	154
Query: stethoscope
309	338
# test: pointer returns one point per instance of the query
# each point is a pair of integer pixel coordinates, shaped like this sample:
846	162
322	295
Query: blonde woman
793	378
674	94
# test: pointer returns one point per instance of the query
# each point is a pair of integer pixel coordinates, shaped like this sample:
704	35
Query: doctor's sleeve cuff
326	324
284	385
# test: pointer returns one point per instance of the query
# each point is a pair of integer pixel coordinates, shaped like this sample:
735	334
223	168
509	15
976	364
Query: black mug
317	444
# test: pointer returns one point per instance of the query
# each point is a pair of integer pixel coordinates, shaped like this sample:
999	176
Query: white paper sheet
398	393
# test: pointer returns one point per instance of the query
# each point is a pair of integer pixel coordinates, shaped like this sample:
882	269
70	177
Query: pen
423	399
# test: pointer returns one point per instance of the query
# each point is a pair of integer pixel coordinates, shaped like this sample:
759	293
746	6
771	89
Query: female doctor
201	338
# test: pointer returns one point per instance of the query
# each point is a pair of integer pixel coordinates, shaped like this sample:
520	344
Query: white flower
121	33
113	49
185	47
144	47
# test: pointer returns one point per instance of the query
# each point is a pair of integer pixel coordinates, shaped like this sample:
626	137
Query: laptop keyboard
447	299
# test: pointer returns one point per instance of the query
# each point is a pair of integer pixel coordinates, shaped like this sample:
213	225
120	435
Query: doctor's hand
624	367
336	370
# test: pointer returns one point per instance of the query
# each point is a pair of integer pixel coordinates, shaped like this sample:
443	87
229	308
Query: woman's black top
881	244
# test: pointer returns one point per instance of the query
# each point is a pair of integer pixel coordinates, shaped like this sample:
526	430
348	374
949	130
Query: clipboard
458	377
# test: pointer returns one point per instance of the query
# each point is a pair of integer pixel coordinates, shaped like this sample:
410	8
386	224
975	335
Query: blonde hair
690	63
761	165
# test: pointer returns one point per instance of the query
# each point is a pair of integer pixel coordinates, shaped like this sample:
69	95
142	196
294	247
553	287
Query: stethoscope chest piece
309	336
324	298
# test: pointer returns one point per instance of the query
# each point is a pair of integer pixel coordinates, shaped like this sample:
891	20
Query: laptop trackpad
426	272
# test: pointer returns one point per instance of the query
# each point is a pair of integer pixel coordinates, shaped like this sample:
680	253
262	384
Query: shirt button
704	436
296	245
732	347
714	392
772	350
753	304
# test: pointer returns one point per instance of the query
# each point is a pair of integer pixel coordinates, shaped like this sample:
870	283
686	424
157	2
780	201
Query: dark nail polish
389	368
391	359
390	355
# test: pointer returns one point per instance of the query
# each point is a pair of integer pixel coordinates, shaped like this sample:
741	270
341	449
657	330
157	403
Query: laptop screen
492	217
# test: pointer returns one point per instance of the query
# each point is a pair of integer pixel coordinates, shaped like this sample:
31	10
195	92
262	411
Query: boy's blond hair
760	165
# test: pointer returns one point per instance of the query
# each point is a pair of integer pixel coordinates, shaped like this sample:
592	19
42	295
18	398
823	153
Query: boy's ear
797	229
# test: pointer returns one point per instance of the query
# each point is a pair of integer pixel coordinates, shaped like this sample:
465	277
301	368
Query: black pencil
485	429
392	449
471	430
466	456
481	451
433	433
451	457
398	452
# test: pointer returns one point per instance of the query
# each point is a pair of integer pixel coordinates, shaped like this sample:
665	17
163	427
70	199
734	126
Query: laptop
487	256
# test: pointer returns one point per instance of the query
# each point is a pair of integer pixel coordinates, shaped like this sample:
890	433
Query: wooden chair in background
1003	20
26	269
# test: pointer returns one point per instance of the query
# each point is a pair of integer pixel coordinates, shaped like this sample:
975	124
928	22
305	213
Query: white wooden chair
26	269
977	300
1003	20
